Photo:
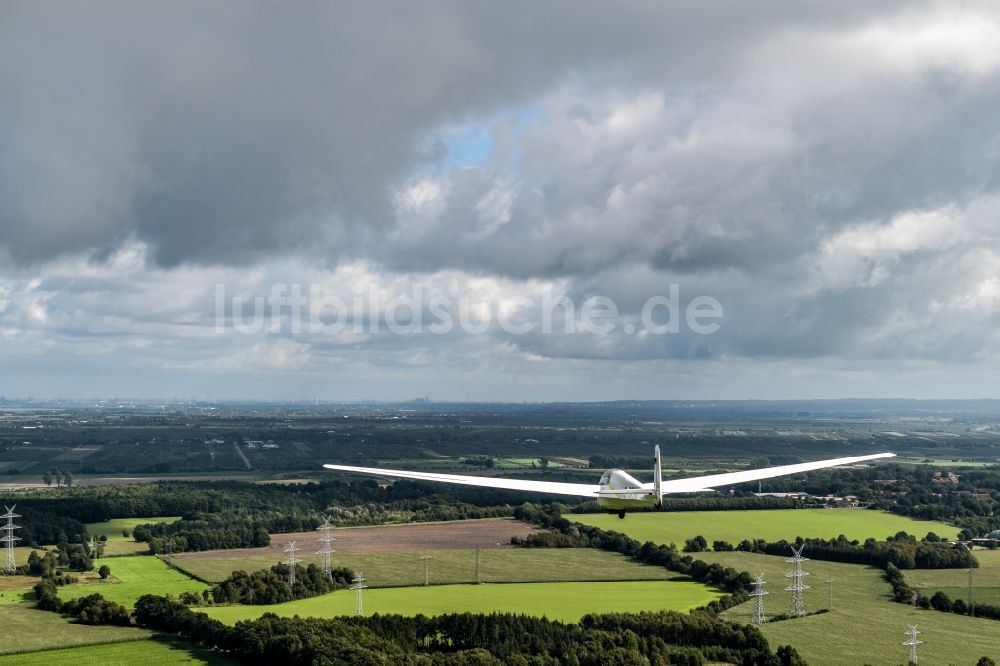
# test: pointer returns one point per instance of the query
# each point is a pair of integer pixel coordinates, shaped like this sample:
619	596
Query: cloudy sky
830	176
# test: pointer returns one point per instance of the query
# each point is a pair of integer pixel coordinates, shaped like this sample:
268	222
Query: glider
618	491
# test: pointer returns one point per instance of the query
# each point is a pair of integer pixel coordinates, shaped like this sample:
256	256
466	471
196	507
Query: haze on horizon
829	175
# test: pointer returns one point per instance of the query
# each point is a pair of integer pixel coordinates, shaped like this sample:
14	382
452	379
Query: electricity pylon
798	606
758	599
912	642
325	540
8	539
358	586
426	559
291	549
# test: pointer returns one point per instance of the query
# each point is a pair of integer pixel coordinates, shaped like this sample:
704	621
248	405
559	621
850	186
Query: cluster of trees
940	601
901	590
91	609
46	566
480	461
207	532
270	586
95	609
902	551
465	639
61	478
548	540
43	525
739	501
72	556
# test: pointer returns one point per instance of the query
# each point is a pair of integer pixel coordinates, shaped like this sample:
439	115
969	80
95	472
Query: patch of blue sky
466	145
470	144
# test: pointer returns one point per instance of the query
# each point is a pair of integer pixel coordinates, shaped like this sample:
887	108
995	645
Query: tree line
901	550
466	639
939	600
270	586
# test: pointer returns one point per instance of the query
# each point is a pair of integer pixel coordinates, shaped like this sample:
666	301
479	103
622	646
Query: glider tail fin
657	475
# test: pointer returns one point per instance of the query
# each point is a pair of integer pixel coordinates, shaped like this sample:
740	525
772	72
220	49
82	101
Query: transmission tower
426	559
758	599
358	585
912	642
325	540
798	607
291	561
8	539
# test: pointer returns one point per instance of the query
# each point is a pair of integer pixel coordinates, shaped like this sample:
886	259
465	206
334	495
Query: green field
132	577
15	589
26	629
772	525
507	565
865	625
21	553
161	651
117	543
559	601
955	582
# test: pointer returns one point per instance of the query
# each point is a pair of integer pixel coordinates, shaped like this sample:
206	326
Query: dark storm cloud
224	131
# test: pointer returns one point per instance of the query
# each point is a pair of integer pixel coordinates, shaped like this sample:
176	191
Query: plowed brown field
491	533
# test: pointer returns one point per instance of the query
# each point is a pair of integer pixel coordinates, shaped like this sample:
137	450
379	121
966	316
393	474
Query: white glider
618	491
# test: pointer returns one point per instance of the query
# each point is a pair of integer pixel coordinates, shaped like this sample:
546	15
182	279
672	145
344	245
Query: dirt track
394	538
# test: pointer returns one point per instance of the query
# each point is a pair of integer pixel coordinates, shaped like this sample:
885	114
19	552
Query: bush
941	602
95	609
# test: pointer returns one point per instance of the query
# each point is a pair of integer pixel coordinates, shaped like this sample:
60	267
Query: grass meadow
559	601
506	565
772	525
864	626
119	544
955	582
27	629
131	577
159	651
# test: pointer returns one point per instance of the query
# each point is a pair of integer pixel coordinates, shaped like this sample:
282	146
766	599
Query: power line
798	606
8	539
829	593
325	540
912	642
758	599
291	548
